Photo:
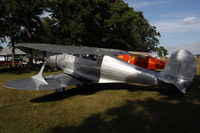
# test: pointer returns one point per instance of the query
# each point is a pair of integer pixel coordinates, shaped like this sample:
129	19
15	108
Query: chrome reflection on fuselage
102	69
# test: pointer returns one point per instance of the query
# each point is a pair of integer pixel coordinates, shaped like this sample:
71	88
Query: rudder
180	69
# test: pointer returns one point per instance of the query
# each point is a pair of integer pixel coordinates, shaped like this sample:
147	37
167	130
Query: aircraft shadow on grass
154	116
89	89
163	115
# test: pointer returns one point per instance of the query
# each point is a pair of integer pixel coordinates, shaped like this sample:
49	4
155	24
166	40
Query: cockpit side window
89	57
77	55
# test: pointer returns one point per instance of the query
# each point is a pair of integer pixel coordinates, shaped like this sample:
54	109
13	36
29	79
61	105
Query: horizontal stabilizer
54	82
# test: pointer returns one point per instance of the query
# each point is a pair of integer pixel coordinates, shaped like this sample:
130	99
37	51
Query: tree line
93	23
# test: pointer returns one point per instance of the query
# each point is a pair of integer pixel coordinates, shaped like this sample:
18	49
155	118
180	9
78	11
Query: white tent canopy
8	51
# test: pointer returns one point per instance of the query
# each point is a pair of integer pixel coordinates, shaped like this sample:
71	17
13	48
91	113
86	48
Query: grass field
111	108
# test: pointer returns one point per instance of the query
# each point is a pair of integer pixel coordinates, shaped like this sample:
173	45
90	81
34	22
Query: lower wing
53	82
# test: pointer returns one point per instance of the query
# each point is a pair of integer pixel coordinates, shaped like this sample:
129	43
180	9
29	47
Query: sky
178	21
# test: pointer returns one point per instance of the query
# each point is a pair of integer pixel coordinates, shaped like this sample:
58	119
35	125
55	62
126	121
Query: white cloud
193	48
188	20
146	4
178	25
142	4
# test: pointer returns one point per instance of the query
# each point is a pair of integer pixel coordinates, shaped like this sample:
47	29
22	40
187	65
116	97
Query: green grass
112	108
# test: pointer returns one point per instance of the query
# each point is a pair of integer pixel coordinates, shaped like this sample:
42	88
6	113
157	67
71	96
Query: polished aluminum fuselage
102	69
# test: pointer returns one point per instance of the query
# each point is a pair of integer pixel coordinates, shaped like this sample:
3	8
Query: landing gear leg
60	90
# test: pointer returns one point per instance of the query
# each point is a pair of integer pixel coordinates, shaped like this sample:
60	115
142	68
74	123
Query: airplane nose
52	61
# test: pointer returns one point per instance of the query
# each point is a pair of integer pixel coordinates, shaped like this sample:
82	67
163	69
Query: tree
103	23
48	33
162	51
159	52
19	16
95	23
165	51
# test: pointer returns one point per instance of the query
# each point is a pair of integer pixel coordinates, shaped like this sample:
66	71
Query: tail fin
180	69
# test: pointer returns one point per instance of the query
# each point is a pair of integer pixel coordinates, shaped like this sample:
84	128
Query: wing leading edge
73	49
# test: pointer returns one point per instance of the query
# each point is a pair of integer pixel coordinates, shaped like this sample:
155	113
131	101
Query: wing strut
39	75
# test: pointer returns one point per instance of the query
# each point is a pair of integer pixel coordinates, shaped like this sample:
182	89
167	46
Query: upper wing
54	82
72	49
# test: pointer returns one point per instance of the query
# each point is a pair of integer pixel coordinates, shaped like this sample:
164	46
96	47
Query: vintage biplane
143	60
83	65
